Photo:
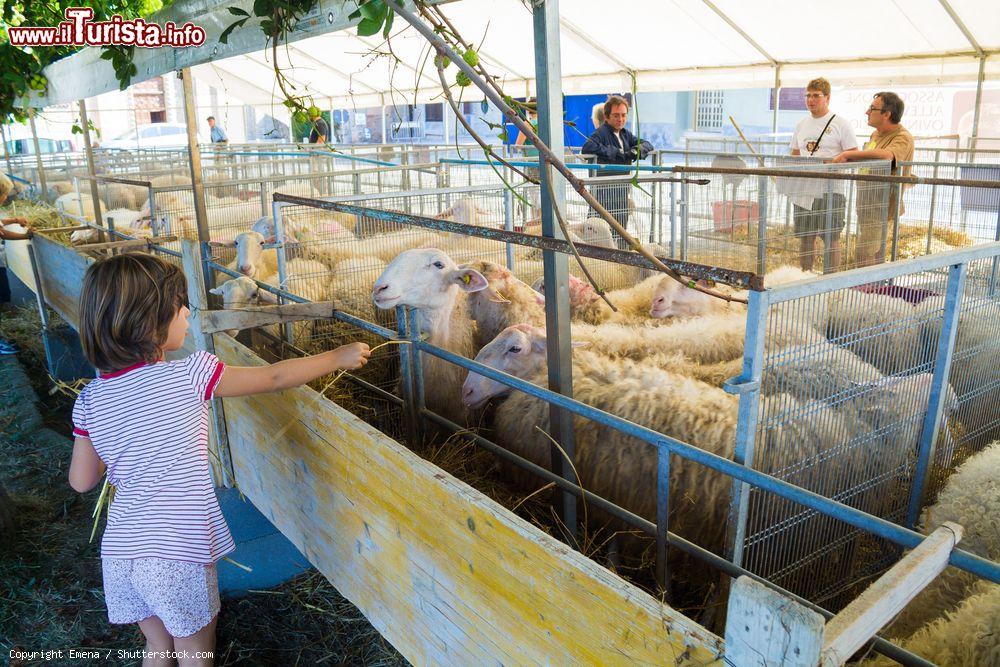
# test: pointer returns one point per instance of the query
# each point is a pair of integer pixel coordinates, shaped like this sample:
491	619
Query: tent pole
979	100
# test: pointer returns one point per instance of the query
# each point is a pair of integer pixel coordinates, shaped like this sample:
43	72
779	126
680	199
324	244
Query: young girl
146	421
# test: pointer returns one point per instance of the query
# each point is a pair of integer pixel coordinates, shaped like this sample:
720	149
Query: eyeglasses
814	96
870	109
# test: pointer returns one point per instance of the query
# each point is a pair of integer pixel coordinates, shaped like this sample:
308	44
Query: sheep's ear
469	280
216	290
266	296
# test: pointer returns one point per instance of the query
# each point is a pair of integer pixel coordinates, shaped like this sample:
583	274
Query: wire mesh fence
856	399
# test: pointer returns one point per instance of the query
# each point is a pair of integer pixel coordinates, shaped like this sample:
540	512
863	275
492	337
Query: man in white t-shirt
821	135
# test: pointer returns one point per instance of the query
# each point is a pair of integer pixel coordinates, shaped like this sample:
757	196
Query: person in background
819	208
890	141
6	189
611	143
320	132
218	135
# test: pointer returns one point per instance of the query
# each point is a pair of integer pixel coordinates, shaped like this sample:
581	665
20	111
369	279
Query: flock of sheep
840	388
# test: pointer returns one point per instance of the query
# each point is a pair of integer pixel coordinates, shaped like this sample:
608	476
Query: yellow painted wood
18	262
444	573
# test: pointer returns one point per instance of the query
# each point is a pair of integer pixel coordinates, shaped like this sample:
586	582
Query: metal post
655	215
407	354
38	156
279	239
89	149
662	518
761	223
197	184
198	298
383	124
154	224
418	372
777	98
747	386
673	220
939	389
895	220
685	209
930	216
828	235
508	222
548	74
979	100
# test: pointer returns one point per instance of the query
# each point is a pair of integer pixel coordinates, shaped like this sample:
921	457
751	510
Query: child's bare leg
157	640
202	642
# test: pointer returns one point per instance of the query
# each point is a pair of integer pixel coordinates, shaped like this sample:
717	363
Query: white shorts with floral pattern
184	595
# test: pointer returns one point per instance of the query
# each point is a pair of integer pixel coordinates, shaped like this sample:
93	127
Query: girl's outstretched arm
244	380
86	468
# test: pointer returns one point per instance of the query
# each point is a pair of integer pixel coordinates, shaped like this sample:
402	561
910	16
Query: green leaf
236	11
368	27
224	37
374	9
388	24
485	106
355	14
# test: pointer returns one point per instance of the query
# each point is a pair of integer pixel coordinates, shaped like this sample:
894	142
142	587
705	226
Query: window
157	116
708	104
434	113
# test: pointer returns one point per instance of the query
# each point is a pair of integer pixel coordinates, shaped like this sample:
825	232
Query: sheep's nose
379	288
658	301
244	268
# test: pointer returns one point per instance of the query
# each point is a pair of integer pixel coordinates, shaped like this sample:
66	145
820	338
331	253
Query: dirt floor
50	575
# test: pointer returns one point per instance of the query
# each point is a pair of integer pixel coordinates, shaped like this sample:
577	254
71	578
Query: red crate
728	214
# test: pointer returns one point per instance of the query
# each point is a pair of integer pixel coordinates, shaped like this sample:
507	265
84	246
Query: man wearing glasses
819	208
889	141
613	144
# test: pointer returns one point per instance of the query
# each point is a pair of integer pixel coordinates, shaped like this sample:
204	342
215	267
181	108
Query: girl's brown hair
126	306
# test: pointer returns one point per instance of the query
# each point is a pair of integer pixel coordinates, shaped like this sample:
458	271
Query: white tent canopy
664	44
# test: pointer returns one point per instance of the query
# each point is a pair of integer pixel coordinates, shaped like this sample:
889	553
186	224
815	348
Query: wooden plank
130	243
859	621
444	573
765	628
213	321
62	270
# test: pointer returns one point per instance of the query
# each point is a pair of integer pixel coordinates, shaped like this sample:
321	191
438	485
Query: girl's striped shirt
149	424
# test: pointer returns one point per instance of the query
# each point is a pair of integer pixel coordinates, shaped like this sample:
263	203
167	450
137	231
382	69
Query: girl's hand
352	356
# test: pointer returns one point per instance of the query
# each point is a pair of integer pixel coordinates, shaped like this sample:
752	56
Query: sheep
820	371
622	469
243	294
119	195
975	367
59	188
125	220
508	301
71	205
968	635
588	307
466	211
252	259
428	281
971	498
505	301
672	299
882	330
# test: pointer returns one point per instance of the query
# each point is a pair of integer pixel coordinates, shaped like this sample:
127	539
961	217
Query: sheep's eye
514	349
261	244
439	264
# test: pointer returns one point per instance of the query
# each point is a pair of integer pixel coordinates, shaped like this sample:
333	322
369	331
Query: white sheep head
424	278
580	291
240	293
249	250
265	227
672	299
518	350
593	231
